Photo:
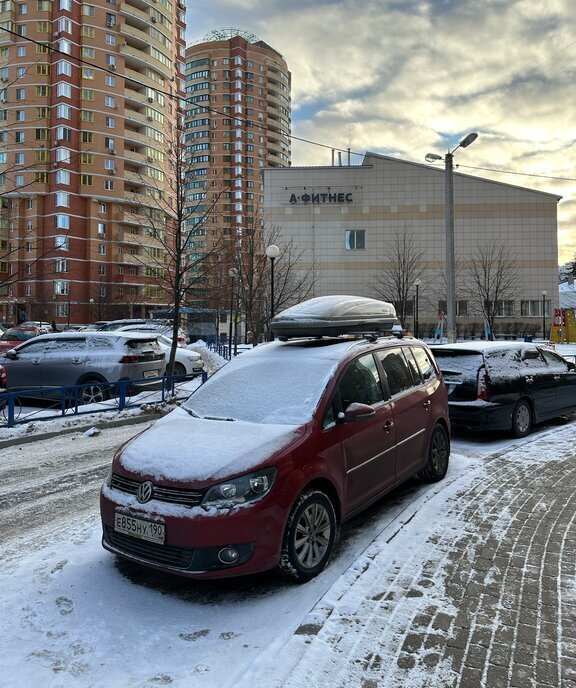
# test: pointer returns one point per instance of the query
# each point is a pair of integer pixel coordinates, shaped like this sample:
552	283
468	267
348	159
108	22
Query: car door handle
557	378
76	360
388	426
35	361
427	403
529	379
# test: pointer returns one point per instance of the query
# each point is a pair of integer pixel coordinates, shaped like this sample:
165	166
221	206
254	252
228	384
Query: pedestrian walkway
476	589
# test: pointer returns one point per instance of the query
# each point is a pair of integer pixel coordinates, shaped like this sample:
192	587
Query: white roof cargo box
327	316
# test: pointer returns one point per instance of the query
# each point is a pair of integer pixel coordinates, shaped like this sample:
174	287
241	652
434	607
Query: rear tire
521	419
438	456
311	532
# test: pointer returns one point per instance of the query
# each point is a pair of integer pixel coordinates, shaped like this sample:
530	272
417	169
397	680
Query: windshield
283	387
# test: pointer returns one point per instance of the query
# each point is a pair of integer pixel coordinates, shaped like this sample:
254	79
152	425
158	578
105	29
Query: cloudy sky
408	77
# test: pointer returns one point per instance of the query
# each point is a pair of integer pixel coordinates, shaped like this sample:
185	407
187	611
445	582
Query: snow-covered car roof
481	347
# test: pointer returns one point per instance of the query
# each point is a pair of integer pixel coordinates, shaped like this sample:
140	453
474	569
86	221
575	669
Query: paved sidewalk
487	601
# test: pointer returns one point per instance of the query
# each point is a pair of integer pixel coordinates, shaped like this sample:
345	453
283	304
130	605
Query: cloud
408	77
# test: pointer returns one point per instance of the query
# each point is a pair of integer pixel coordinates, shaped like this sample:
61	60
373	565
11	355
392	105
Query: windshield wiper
191	412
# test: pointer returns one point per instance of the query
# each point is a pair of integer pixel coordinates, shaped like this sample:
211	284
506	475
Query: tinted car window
397	372
101	343
555	361
411	361
361	383
34	348
61	346
424	363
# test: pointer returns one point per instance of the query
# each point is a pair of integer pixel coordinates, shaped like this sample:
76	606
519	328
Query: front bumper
198	543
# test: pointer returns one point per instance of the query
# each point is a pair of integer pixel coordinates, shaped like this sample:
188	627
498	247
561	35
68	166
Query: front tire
179	369
309	538
521	419
93	392
438	456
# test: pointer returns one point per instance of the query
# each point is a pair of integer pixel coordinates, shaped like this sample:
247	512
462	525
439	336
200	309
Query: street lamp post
231	274
272	252
544	292
417	284
449	231
91	310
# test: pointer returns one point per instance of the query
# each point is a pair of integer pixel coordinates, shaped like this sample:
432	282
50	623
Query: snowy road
73	615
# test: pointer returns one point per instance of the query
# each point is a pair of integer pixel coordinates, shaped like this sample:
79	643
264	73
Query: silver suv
93	359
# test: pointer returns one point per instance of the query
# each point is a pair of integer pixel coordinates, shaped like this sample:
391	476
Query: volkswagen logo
145	492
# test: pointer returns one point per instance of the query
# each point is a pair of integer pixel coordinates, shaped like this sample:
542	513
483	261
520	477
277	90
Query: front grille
172	495
177	557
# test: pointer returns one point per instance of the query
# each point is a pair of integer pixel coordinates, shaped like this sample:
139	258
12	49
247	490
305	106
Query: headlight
246	488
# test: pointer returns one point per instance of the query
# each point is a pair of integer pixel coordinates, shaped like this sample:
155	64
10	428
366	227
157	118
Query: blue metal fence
60	401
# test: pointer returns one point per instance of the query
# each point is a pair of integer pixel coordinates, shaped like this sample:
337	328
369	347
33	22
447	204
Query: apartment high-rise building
89	99
238	121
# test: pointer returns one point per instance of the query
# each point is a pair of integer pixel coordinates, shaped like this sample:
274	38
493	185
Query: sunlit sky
408	77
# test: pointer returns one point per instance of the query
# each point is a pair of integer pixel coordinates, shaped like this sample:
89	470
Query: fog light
228	555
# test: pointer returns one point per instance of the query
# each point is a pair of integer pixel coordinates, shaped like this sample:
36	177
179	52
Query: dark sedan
505	385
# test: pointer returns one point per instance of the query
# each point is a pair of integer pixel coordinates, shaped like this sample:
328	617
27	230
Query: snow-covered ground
73	616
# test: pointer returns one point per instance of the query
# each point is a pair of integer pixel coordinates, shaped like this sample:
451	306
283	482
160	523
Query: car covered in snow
88	358
507	386
263	463
187	363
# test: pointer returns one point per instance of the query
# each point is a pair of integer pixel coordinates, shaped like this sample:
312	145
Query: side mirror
11	353
356	412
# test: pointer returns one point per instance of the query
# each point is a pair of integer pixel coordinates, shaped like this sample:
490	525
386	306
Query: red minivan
263	462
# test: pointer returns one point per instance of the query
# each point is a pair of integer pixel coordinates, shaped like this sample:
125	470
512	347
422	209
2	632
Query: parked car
16	335
505	385
86	358
265	460
159	328
186	362
37	323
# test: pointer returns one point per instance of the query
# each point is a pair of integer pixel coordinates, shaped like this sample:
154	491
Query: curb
132	420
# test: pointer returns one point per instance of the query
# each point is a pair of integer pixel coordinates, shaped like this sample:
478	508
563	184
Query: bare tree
253	273
492	279
169	251
401	267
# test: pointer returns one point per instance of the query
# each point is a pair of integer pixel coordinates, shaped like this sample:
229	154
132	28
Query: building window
110	81
101	269
87	137
61	242
62	310
109	122
61	287
62	198
62	177
108	185
61	265
63	111
86	179
64	67
102	249
62	221
87	73
101	229
355	239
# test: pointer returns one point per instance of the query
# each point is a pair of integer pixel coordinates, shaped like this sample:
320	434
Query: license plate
151	373
139	528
